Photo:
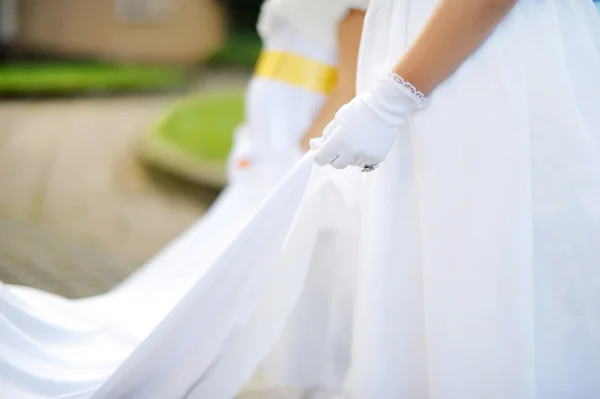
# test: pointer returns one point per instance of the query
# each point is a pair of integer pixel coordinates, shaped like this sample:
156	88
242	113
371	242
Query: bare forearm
454	31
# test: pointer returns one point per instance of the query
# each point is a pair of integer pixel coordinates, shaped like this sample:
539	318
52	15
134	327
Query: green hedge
68	77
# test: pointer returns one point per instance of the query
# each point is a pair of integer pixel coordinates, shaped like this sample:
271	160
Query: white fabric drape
475	246
220	298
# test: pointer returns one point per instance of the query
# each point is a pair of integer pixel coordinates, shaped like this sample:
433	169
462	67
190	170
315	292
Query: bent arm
349	33
453	32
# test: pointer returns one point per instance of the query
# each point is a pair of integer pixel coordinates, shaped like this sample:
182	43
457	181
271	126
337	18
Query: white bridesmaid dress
475	244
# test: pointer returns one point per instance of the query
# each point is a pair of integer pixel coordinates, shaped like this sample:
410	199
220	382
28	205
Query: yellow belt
297	71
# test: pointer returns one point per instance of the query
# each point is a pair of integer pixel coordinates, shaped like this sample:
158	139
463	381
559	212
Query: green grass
202	126
67	77
194	138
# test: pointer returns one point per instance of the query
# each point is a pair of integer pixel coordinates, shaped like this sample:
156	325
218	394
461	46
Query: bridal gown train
228	312
475	243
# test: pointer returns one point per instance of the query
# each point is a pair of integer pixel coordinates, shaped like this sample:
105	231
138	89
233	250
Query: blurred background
116	117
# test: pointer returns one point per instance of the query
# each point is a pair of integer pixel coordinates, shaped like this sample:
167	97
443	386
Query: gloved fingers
358	162
328	150
315	144
342	161
324	156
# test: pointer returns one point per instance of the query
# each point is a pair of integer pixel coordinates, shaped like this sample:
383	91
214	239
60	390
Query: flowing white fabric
220	298
237	309
476	244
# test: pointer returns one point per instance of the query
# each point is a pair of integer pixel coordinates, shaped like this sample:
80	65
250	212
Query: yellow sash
297	71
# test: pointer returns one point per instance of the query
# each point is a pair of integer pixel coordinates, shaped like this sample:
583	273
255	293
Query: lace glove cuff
364	130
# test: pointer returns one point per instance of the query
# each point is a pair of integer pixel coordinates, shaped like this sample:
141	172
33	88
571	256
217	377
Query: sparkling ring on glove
368	168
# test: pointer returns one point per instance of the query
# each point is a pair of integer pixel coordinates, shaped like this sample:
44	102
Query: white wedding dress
50	346
475	245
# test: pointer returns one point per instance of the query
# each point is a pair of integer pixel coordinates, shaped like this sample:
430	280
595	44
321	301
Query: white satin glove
364	130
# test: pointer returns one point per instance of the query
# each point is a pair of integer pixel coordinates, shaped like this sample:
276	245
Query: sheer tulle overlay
465	267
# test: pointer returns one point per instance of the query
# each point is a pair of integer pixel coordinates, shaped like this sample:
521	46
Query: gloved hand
363	131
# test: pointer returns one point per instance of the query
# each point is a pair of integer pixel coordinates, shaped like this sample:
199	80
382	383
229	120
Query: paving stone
38	257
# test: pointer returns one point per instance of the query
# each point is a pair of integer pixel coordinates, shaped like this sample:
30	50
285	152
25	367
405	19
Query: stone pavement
35	256
70	179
